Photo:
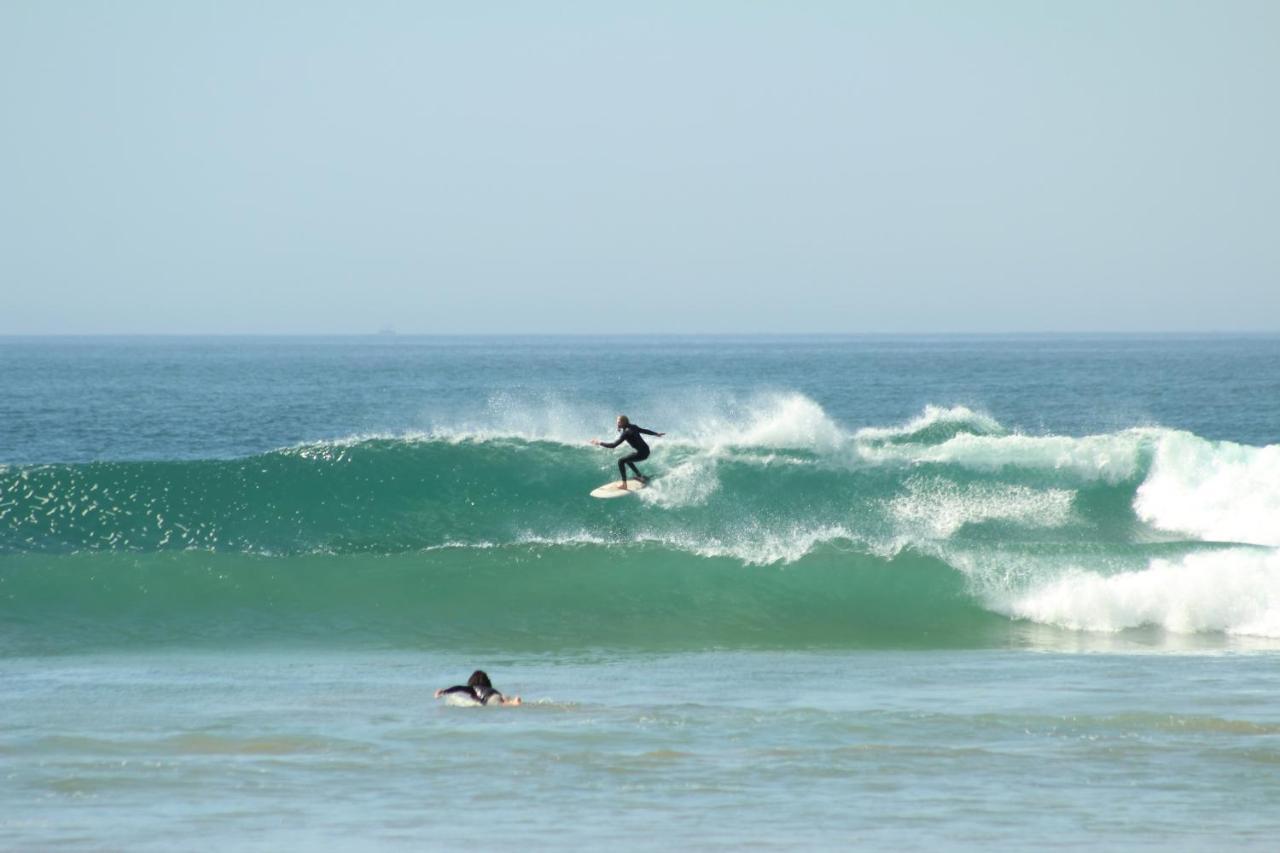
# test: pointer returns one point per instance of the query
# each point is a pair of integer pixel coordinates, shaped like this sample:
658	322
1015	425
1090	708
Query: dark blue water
81	399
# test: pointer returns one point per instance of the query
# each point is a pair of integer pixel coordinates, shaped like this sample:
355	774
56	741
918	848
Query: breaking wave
766	519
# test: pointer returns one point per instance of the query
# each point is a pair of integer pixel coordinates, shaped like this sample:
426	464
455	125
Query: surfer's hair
623	420
479	679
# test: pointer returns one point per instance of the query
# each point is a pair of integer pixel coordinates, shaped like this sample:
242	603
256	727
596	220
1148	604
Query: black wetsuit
631	435
481	695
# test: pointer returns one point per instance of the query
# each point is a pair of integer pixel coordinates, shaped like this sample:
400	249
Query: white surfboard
612	490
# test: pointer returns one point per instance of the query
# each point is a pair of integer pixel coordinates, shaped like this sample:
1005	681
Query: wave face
771	523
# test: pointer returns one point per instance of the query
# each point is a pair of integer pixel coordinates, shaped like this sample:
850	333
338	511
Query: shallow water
259	750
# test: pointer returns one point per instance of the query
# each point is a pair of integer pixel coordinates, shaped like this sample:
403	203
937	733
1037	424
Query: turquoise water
888	591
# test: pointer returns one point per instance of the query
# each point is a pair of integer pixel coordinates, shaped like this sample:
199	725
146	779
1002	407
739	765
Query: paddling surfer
477	691
630	433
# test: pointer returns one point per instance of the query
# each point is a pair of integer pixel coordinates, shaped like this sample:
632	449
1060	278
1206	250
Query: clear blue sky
639	167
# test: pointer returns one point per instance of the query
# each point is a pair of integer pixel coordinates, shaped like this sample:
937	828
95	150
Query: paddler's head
623	422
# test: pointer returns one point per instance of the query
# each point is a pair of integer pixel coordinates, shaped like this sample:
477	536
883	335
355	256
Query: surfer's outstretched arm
598	443
651	432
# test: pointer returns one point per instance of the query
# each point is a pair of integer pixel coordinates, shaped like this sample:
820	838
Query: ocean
884	591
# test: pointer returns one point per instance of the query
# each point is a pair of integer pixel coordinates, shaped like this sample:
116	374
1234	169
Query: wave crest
1098	532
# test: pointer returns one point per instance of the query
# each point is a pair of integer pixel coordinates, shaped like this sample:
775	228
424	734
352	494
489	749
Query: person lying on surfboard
630	433
477	691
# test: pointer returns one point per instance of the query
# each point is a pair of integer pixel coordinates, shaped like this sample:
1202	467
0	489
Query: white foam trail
1235	592
324	448
750	545
1216	491
938	508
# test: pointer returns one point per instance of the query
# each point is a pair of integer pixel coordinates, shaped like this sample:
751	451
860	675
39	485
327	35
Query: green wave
953	536
517	597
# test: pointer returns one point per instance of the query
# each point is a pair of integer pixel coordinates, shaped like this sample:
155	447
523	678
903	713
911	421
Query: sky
614	168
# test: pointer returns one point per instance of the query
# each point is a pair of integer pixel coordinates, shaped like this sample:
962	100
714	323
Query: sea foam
1234	591
1216	491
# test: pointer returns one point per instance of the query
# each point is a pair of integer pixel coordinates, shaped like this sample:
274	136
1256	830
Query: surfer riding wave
630	433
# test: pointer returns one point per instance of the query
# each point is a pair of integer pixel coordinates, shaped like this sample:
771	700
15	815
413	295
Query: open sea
885	592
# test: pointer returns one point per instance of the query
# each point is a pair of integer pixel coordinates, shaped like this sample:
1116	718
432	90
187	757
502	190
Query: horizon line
655	334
